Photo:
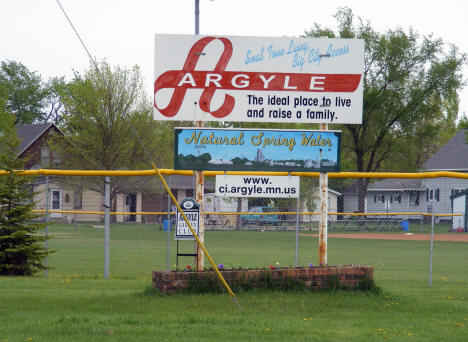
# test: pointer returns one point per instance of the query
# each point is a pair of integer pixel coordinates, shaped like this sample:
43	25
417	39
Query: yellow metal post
218	273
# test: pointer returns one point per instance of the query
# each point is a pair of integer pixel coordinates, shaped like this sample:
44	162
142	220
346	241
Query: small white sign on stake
257	186
192	212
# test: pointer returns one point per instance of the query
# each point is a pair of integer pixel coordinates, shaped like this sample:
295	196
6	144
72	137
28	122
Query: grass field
75	303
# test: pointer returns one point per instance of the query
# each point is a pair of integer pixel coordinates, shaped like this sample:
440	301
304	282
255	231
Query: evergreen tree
21	248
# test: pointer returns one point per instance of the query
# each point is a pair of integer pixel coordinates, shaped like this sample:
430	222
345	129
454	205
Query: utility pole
199	177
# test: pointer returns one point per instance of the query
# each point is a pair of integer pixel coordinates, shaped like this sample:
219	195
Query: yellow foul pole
199	242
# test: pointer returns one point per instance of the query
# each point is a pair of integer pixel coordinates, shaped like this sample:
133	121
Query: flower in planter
311	265
272	267
221	267
277	264
188	268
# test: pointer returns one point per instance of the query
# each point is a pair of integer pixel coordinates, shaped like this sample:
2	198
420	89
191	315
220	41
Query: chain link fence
409	224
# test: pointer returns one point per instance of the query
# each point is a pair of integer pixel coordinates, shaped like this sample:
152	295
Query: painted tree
411	85
21	248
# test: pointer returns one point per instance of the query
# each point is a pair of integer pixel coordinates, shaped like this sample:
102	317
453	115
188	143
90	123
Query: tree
55	108
410	91
103	109
21	249
25	92
463	123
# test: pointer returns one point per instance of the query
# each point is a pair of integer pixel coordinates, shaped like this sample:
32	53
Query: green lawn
75	303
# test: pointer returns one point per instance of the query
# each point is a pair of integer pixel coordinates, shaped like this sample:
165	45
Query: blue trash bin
405	225
165	225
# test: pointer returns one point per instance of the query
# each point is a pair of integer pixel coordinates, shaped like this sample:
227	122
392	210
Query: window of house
45	156
379	198
395	198
433	195
55	159
414	198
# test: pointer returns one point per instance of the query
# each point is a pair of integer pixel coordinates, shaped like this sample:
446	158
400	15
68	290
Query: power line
77	34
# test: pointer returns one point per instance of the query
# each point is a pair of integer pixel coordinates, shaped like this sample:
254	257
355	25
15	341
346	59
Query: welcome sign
256	150
258	79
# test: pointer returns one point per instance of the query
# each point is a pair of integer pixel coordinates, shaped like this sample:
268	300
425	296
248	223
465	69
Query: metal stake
297	233
106	226
432	239
47	222
168	244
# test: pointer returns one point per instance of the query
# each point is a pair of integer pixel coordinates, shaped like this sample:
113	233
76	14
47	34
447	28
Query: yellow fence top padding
168	172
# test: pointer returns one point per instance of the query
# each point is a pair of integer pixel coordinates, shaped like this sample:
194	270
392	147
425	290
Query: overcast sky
36	33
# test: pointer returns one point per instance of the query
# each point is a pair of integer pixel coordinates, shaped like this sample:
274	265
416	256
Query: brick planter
312	277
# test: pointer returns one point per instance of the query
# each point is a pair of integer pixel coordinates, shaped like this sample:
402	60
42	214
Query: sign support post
323	221
199	177
199	190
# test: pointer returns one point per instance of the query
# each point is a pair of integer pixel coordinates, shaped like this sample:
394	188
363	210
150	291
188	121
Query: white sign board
258	79
257	186
182	230
192	212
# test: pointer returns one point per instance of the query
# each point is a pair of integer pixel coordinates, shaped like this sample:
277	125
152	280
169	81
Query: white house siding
445	186
394	206
441	206
214	203
350	203
332	207
459	207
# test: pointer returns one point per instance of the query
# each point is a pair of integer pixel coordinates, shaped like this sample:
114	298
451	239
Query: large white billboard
258	79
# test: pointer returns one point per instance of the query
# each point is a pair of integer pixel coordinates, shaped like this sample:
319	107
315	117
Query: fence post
106	225
47	222
199	193
432	239
421	229
297	232
323	220
323	224
432	245
168	244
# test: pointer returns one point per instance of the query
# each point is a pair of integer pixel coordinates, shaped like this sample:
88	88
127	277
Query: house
332	205
35	148
389	195
453	156
394	195
146	194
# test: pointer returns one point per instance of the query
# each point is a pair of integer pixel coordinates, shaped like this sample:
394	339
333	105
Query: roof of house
350	189
187	182
28	134
453	156
396	184
387	184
